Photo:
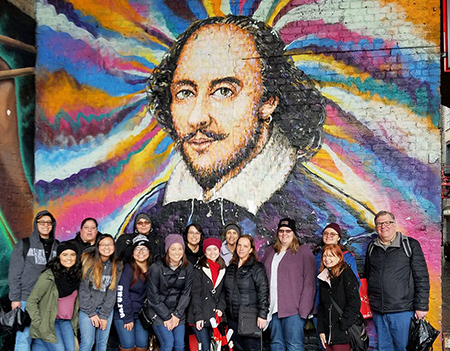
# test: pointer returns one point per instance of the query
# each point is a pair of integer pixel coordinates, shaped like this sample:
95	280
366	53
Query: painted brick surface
375	64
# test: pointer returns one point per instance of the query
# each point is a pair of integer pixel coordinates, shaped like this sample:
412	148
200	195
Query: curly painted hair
301	111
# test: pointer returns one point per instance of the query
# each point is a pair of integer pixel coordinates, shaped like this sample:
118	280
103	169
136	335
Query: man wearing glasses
398	282
28	260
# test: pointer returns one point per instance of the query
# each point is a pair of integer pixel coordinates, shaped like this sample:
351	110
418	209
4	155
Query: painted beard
208	176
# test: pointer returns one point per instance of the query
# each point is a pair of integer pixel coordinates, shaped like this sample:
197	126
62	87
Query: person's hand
103	323
15	304
323	340
199	325
420	314
168	324
128	326
261	323
95	320
175	321
219	313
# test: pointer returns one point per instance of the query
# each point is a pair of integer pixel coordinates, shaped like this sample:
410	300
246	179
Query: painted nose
199	116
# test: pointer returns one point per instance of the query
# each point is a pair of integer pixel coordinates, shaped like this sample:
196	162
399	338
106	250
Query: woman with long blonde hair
101	273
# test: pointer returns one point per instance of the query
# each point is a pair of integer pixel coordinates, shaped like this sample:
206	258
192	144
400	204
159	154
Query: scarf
215	268
65	285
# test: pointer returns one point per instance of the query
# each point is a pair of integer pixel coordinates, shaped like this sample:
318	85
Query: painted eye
223	93
184	94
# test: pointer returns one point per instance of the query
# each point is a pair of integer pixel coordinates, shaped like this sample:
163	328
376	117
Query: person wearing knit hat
52	304
291	271
173	239
211	241
67	245
287	222
209	298
142	226
131	294
231	234
169	292
332	234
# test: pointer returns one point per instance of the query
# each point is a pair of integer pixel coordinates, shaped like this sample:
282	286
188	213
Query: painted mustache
211	135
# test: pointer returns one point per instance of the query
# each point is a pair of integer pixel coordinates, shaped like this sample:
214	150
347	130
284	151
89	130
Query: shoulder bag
359	338
248	316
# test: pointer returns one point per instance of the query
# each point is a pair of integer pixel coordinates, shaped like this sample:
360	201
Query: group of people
191	282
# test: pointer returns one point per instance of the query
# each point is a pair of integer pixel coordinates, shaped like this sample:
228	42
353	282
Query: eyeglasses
195	233
332	235
106	245
382	224
142	223
141	250
45	223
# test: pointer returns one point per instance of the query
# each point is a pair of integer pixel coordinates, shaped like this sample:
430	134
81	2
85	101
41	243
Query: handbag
359	338
15	320
248	316
146	315
366	311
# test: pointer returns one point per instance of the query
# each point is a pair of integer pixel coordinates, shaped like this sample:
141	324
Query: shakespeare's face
216	92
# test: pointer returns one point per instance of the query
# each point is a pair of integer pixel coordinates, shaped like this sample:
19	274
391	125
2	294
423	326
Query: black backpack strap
25	247
370	249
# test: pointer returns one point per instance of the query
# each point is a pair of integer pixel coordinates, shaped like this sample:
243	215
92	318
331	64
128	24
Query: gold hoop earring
268	120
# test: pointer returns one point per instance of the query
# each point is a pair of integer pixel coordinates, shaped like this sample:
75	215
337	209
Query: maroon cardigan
296	281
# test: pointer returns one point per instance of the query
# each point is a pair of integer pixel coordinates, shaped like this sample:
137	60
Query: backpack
405	244
25	247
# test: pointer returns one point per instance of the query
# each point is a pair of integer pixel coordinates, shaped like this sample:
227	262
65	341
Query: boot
132	349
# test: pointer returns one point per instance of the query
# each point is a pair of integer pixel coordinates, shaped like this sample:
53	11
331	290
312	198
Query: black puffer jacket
168	291
206	298
396	282
345	292
253	286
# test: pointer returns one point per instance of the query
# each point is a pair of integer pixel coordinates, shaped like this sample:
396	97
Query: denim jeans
23	340
287	333
90	334
392	330
170	339
138	336
64	335
203	336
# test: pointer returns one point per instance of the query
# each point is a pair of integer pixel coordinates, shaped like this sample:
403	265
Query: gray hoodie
103	299
24	273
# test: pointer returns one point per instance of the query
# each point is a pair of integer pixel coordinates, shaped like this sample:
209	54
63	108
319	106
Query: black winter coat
168	291
206	298
396	282
345	292
253	287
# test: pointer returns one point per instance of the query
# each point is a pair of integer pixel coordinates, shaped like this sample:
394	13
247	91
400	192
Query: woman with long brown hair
131	294
101	274
168	292
291	270
338	283
246	284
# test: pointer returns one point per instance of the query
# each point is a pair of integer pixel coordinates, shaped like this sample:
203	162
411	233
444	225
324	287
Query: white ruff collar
251	187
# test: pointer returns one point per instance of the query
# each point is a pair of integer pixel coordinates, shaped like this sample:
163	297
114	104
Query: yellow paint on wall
59	91
424	15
